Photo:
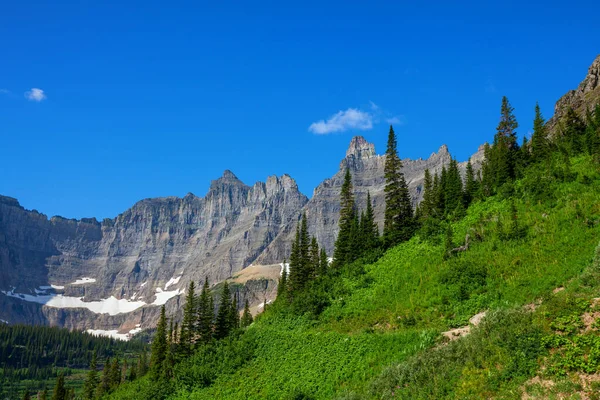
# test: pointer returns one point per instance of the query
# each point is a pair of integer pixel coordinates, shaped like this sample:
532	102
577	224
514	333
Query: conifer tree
104	384
283	278
398	222
342	248
453	190
159	345
91	380
247	316
502	158
540	147
471	185
60	392
235	315
188	325
314	258
294	279
369	229
572	132
115	373
206	313
223	321
142	367
427	204
324	262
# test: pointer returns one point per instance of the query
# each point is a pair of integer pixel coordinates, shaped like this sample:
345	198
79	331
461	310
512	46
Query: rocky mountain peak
360	149
592	80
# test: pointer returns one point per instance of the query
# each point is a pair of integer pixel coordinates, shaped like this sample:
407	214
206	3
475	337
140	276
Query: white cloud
342	121
4	91
395	120
35	94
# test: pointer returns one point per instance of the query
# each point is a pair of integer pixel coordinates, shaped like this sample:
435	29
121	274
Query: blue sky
103	104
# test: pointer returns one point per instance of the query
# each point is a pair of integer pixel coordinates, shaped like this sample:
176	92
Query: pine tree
471	185
342	248
283	278
369	229
159	346
223	321
294	280
453	190
115	373
188	325
398	221
247	316
540	147
60	392
502	158
427	204
91	381
206	314
142	367
104	384
324	262
572	132
314	258
235	315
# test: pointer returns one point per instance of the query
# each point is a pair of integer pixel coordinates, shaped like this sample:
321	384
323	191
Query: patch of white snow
172	281
82	281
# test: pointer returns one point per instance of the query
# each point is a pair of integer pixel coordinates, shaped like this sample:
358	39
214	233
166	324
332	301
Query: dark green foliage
448	242
26	395
235	315
369	231
502	158
398	220
142	367
206	314
91	381
464	279
301	266
60	392
540	145
323	263
471	185
159	346
344	244
283	280
190	318
223	320
453	191
115	373
314	261
247	316
572	133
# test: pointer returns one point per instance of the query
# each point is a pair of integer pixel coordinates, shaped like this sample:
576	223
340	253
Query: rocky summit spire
360	149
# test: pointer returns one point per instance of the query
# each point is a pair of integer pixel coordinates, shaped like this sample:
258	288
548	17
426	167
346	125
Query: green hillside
379	334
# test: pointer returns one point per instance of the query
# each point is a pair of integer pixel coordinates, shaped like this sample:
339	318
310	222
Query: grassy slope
367	337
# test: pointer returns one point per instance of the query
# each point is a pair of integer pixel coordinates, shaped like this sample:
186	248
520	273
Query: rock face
145	256
366	167
585	97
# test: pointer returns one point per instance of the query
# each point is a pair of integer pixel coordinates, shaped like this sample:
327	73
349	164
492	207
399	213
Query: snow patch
82	281
143	284
163	296
39	291
52	287
172	281
110	306
4	321
286	266
112	334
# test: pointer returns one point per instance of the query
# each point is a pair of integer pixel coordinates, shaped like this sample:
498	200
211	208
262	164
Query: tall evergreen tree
294	279
159	345
471	185
323	262
223	321
60	392
206	314
540	146
502	158
572	132
342	250
283	278
398	222
189	323
91	380
453	190
142	367
104	383
427	204
314	258
247	316
235	315
115	373
368	227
